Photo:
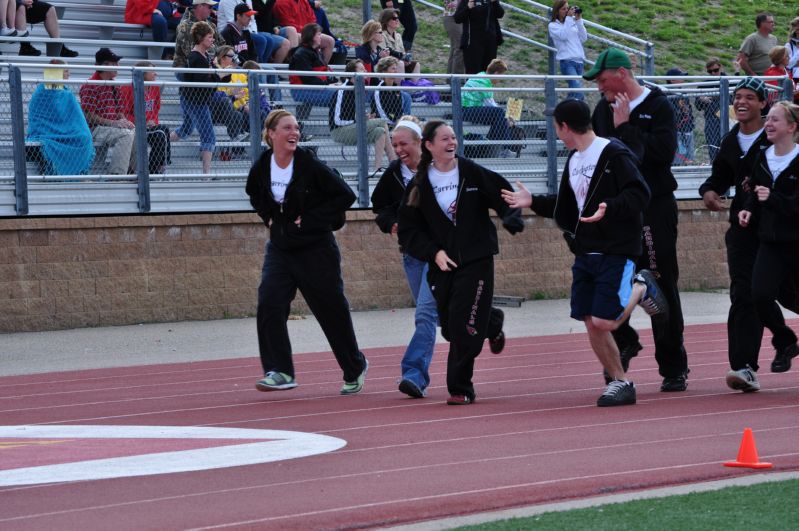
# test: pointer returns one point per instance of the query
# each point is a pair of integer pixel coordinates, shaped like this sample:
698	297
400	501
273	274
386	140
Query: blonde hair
791	111
369	29
412	119
385	63
497	66
777	55
271	121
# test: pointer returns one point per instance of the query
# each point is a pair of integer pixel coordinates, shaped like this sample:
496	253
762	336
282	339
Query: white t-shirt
407	174
746	141
637	101
777	163
581	168
280	178
445	186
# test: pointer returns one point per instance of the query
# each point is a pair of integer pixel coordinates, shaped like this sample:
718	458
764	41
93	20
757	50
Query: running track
534	436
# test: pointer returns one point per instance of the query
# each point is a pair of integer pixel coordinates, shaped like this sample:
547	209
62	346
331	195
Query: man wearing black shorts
36	12
599	208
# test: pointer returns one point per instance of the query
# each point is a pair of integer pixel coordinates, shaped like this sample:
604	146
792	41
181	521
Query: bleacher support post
367	10
550	55
363	149
140	142
18	137
649	65
724	106
551	101
253	79
457	111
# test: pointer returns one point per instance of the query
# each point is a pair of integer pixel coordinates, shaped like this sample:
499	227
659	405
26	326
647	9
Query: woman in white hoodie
568	35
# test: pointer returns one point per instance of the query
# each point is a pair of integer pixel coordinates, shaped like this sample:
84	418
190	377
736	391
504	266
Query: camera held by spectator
577	10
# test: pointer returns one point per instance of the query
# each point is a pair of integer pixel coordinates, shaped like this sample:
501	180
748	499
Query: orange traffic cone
747	454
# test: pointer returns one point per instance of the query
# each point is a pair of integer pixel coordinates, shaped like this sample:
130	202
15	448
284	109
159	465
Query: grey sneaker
275	381
617	393
653	302
743	380
352	388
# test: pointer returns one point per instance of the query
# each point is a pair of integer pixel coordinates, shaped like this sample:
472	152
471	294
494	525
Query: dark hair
352	66
386	16
574	113
428	135
761	18
199	30
308	32
556	8
712	61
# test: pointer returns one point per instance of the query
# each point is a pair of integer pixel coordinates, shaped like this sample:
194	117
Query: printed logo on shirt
582	175
446	188
453	209
149	106
472	189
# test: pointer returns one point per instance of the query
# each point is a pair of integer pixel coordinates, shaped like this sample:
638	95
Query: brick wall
77	272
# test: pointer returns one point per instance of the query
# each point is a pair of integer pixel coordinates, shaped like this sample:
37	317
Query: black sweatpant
463	299
774	263
316	272
160	147
660	257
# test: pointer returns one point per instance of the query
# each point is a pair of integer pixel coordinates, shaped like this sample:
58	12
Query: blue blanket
56	120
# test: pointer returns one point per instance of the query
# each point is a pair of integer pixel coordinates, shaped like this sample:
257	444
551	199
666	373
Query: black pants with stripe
463	299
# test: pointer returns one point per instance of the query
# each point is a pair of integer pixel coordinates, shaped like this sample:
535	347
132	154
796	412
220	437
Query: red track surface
534	436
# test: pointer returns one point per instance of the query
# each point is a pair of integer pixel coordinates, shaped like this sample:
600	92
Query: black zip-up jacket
387	196
650	134
480	22
425	229
342	107
779	214
317	194
732	167
617	182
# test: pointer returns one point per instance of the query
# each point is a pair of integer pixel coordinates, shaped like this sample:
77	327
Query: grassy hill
685	33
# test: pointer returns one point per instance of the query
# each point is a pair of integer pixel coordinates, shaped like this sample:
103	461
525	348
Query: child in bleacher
241	95
157	134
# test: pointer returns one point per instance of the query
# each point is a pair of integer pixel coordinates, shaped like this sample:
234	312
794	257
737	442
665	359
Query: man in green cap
643	119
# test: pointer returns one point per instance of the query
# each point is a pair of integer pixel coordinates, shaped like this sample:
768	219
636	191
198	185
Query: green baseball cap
610	58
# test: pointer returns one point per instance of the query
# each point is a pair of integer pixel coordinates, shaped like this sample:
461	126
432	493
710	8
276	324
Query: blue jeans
197	115
406	103
416	361
163	22
685	149
573	68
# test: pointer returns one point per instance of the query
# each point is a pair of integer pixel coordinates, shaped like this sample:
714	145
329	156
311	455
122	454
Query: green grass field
762	507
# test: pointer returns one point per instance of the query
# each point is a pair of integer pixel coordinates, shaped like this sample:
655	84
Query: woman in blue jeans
386	200
195	101
568	34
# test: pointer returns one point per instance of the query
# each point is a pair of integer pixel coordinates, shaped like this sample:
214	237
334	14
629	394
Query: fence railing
55	164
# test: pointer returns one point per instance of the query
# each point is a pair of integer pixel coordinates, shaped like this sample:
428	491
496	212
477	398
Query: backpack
425	96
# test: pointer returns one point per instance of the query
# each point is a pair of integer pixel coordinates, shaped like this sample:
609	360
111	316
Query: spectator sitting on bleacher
222	111
160	15
56	121
105	116
306	58
265	21
480	107
241	95
390	21
390	105
8	16
195	101
157	134
199	12
407	17
35	12
341	118
372	48
298	13
240	31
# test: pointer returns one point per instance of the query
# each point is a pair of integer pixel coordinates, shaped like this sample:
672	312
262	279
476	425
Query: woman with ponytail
446	223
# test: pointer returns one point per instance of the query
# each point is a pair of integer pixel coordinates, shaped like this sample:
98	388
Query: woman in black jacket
481	32
445	222
774	201
302	201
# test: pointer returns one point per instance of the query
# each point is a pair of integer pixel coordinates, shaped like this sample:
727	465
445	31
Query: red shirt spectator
152	102
295	13
102	100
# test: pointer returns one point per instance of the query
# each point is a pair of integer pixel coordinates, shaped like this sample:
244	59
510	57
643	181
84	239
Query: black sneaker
782	361
672	384
617	393
411	389
66	52
653	302
26	49
626	354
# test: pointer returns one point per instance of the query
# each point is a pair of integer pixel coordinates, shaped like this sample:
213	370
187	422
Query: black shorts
601	286
36	12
